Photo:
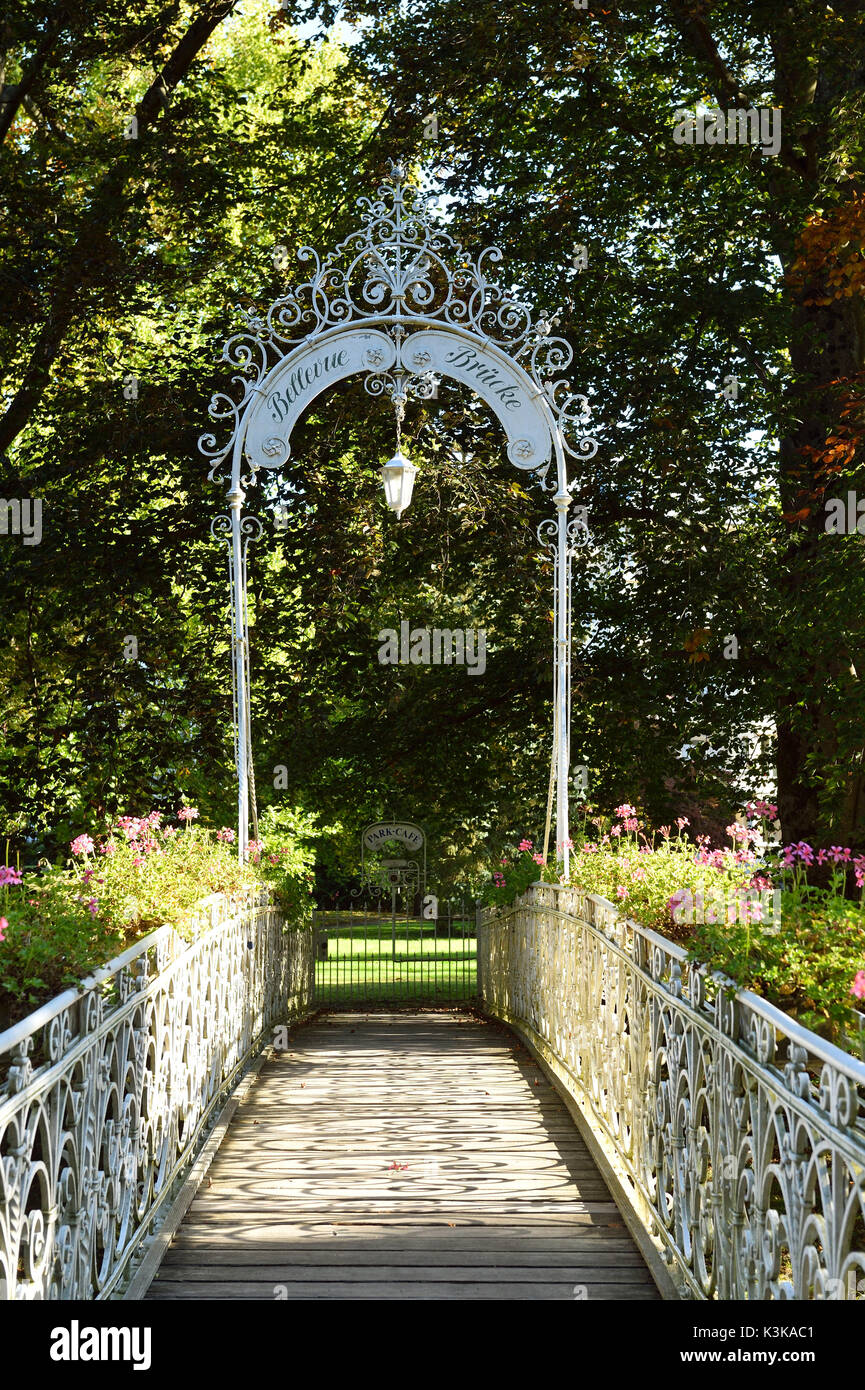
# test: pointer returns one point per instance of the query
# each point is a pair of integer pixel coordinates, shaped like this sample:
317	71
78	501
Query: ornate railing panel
107	1092
738	1136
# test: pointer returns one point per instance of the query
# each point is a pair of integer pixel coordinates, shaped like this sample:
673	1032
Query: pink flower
839	855
93	907
187	813
154	818
616	830
9	875
108	848
625	810
538	858
169	832
566	844
805	852
131	826
621	891
665	832
857	989
639	874
525	845
682	821
82	845
739	832
137	860
4	927
226	834
680	899
632	824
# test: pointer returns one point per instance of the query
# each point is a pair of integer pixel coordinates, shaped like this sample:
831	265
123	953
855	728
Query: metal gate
393	947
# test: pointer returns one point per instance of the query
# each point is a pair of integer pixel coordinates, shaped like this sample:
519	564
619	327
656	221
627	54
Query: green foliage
806	968
62	922
803	951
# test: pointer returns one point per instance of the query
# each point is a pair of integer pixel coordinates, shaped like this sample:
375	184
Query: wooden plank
266	1261
268	1275
403	1292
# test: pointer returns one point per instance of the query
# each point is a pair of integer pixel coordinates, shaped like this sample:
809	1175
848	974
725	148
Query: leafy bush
59	923
748	910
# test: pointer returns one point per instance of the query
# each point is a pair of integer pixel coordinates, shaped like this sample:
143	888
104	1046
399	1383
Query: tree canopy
716	317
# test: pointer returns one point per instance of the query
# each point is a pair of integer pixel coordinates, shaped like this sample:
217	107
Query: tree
705	266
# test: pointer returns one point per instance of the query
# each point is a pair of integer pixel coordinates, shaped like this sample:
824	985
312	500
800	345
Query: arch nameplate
500	383
294	383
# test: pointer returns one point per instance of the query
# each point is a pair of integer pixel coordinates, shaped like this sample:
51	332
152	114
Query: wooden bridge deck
402	1156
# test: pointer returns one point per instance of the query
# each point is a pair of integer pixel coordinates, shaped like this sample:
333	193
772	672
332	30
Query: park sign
388	832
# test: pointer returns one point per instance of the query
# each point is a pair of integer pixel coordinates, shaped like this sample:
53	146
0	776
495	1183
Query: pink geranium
621	891
226	834
625	810
188	813
857	989
8	875
525	845
4	927
82	845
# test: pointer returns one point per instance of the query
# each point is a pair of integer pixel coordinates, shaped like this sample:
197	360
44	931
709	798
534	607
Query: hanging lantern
398	476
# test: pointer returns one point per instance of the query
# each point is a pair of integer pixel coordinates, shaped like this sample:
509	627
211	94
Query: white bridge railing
735	1136
106	1093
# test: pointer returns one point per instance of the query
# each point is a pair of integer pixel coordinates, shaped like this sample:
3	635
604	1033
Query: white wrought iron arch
400	302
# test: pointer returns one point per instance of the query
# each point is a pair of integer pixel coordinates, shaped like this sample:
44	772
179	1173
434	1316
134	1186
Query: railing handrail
785	1023
717	1114
32	1022
108	1093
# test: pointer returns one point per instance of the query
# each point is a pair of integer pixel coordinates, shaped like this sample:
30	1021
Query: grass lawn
364	962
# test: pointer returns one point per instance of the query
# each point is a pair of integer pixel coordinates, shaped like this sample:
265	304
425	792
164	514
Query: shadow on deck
403	1156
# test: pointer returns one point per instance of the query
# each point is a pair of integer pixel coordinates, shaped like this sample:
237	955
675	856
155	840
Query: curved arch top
311	368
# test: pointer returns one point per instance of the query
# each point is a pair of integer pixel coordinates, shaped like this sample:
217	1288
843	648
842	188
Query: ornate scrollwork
103	1106
399	269
740	1133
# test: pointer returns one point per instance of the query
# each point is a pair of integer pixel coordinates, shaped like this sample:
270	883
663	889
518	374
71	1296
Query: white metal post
238	630
562	501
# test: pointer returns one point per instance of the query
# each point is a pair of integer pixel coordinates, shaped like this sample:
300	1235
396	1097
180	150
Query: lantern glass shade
398	476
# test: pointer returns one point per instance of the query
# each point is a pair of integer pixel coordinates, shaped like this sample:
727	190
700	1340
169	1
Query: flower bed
748	910
59	923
